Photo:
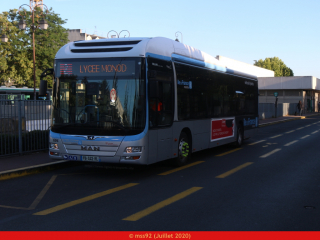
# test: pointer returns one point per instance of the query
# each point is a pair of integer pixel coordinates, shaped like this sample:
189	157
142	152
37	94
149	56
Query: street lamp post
42	24
118	35
4	37
177	35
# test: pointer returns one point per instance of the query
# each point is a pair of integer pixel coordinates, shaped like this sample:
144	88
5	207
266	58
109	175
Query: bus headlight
54	146
133	149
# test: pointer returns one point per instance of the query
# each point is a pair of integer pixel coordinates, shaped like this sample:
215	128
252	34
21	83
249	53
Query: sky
244	30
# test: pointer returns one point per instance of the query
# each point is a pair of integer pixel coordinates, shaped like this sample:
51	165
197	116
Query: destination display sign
96	68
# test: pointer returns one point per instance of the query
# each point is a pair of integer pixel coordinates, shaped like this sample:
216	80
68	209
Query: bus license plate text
90	158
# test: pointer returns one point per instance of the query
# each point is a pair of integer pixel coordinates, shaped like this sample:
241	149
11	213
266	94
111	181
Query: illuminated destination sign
97	68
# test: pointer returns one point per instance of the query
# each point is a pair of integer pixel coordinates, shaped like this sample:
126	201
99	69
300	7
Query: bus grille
92	149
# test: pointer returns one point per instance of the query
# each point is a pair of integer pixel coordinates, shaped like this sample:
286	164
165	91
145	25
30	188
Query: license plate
90	158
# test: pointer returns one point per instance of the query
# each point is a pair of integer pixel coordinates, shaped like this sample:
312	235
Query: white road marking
277	136
270	153
290	143
257	142
305	137
291	131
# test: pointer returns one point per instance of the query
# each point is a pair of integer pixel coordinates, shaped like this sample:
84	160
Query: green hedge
31	141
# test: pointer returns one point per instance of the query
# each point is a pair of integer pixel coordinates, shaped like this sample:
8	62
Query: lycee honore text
103	68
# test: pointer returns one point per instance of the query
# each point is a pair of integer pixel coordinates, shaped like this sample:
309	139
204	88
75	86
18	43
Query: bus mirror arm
43	83
47	72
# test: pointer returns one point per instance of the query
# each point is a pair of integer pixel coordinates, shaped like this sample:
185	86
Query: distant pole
276	107
42	24
34	58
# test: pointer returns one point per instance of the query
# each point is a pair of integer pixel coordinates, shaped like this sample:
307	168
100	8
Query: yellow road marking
38	198
11	207
270	153
43	192
257	142
226	174
290	143
162	204
180	168
222	154
85	199
277	136
305	137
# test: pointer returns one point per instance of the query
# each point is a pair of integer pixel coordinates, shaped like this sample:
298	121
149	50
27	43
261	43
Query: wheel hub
184	149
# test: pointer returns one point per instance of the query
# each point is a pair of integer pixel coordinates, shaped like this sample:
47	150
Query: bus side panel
152	146
199	130
160	144
164	143
200	135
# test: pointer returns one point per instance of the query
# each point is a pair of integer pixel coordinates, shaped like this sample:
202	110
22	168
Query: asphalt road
271	183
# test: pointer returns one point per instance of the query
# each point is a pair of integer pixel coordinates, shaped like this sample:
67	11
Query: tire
240	137
184	150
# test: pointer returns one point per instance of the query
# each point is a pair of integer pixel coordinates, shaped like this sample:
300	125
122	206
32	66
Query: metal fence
24	126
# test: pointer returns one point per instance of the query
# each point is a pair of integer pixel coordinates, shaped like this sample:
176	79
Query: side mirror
43	88
43	83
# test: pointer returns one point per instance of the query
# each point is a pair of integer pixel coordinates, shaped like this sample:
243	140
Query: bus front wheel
184	150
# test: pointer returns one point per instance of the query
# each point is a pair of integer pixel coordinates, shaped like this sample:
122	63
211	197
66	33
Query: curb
281	121
287	120
20	172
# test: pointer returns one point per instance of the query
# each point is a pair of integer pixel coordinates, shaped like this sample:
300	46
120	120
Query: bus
23	93
145	100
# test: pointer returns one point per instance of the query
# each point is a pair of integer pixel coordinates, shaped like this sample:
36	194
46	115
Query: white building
291	90
77	34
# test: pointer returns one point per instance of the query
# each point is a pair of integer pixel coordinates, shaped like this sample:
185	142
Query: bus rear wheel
240	137
184	152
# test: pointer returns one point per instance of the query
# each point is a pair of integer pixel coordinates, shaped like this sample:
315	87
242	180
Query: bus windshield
101	97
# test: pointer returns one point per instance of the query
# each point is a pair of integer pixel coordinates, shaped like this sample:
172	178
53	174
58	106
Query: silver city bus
144	100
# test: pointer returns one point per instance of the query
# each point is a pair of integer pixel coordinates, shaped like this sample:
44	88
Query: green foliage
16	56
275	64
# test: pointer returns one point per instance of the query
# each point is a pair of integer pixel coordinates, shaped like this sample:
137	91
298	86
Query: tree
16	56
12	58
275	64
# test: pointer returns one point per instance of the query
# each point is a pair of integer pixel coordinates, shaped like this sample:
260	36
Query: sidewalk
270	121
21	165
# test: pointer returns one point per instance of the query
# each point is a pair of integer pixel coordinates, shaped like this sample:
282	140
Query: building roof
287	83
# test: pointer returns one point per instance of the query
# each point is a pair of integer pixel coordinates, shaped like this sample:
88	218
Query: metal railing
24	126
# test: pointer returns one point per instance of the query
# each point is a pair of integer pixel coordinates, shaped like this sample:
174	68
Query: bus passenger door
160	121
161	107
